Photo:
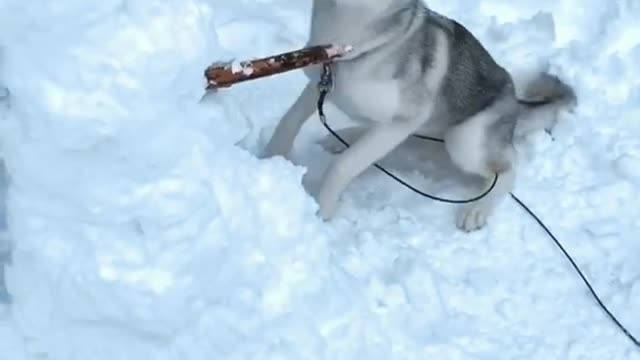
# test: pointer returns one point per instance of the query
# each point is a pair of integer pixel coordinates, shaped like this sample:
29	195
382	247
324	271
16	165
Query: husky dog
413	71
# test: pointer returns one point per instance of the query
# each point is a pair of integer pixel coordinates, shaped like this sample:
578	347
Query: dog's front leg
372	146
289	126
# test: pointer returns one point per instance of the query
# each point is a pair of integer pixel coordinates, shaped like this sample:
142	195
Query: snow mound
138	220
143	226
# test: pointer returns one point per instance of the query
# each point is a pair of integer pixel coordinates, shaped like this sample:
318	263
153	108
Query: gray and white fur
415	71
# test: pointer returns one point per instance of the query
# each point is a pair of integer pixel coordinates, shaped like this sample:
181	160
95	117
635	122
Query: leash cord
326	84
578	270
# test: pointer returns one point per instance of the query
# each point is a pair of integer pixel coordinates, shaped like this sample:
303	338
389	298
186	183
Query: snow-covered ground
144	227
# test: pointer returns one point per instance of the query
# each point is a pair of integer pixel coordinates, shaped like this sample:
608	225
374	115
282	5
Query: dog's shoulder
456	32
440	21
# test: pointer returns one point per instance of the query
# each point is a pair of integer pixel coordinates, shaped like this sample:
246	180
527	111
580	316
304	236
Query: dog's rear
543	98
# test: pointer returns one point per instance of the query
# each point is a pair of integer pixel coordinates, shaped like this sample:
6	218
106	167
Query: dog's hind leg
289	126
372	146
482	145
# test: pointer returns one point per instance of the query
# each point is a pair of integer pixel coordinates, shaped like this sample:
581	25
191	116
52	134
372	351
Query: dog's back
404	45
474	79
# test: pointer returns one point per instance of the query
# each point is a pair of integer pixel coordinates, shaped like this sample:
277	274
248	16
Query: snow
143	225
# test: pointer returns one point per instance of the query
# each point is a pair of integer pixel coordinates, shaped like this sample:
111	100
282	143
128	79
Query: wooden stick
224	75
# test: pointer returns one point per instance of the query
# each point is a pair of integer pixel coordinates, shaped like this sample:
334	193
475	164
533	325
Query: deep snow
145	228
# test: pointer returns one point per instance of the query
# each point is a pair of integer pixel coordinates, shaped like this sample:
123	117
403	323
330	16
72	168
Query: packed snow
143	225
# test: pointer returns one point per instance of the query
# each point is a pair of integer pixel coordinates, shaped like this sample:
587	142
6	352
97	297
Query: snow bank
143	231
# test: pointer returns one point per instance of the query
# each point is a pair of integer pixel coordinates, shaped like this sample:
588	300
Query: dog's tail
544	97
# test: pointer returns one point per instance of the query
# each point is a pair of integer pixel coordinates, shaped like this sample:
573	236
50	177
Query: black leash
326	85
577	268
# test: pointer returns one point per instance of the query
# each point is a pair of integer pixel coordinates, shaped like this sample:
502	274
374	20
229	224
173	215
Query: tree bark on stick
224	75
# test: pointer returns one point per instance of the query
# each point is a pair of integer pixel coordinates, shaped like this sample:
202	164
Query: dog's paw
325	214
327	204
274	149
327	209
473	217
332	145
